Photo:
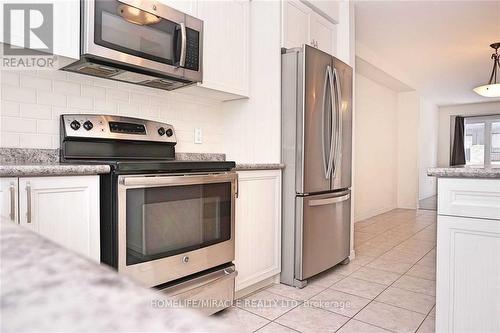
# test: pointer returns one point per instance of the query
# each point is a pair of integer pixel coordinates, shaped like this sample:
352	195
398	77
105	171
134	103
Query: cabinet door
64	210
8	199
323	33
468	274
63	16
225	45
258	227
295	24
185	6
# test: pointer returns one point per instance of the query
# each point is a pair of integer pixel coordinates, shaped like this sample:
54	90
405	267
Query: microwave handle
182	60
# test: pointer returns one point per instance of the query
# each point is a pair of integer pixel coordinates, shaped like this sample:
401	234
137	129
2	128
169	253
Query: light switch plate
198	135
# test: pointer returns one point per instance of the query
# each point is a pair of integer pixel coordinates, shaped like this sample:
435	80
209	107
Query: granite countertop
51	169
258	166
46	288
465	172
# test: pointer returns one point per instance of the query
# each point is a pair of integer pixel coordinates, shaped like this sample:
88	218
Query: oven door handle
153	181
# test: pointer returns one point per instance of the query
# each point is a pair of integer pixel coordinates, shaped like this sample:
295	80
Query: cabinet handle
28	203
12	202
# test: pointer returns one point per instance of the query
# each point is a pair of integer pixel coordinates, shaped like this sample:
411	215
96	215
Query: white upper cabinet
63	16
64	210
185	6
302	25
295	24
323	33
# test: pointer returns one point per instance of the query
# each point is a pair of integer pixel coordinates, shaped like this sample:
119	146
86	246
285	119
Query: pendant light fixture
492	89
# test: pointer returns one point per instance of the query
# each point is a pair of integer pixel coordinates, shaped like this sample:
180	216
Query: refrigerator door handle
329	201
338	120
327	161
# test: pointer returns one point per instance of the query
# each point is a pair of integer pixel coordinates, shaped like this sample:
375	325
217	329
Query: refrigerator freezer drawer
325	232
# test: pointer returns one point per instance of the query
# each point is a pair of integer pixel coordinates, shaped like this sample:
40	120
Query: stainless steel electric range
168	224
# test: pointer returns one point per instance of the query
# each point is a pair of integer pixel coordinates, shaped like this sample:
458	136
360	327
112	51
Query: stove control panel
116	128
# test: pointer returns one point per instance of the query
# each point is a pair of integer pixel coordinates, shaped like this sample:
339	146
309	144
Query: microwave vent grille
162	84
98	70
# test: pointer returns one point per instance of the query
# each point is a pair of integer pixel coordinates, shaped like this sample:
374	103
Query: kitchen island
47	288
468	249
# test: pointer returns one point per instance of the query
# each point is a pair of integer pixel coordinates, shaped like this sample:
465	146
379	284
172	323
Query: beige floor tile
390	317
423	271
376	275
326	279
346	269
398	255
417	285
311	319
336	301
359	287
390	265
275	328
356	326
296	293
433	312
361	260
407	300
240	320
370	250
267	304
361	237
428	260
428	326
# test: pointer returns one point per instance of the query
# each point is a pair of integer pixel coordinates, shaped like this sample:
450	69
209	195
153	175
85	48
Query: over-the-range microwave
140	41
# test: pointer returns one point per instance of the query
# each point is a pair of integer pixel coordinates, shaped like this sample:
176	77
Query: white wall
445	114
31	102
428	148
375	148
252	127
408	110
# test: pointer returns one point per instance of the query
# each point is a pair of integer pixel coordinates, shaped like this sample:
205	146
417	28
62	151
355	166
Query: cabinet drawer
469	197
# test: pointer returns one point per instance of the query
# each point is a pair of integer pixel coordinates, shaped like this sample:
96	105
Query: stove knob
75	125
161	131
170	132
88	125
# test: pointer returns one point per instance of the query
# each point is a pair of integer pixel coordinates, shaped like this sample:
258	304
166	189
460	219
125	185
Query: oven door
171	226
144	34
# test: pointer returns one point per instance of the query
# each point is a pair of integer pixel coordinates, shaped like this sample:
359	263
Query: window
482	140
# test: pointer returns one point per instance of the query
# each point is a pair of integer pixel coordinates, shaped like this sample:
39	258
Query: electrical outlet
198	135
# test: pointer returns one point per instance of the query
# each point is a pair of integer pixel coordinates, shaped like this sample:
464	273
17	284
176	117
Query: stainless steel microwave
140	41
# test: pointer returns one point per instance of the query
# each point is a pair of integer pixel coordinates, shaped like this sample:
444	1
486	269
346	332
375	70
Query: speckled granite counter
258	166
46	288
465	172
51	169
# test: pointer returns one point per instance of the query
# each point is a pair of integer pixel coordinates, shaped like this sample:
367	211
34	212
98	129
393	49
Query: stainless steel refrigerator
316	150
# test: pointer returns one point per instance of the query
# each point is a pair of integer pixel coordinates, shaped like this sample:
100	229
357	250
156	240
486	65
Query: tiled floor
429	203
389	287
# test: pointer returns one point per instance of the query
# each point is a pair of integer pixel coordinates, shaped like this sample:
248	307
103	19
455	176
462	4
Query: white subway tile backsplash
35	141
31	108
47	126
10	78
9	109
80	102
16	94
18	125
49	98
67	88
117	94
95	92
31	81
36	111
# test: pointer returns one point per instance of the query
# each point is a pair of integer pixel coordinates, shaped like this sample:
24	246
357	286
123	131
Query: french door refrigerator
316	151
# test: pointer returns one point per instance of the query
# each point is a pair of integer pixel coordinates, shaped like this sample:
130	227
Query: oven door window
136	32
166	221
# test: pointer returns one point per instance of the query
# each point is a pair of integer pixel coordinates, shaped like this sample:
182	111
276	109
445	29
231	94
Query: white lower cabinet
258	227
9	199
64	210
468	256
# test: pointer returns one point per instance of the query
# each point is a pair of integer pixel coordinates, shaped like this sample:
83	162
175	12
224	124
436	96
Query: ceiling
440	48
